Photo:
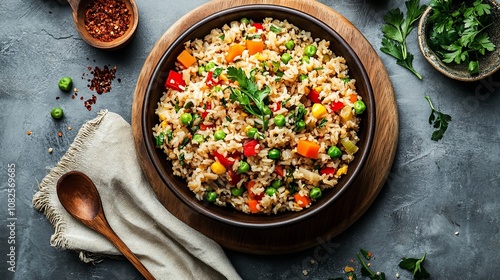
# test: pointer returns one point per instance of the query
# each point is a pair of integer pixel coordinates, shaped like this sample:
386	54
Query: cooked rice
325	71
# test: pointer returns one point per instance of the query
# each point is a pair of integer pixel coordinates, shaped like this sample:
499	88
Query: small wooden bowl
79	7
155	89
488	64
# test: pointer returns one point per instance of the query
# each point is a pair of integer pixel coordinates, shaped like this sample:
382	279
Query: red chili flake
72	96
107	20
88	103
59	133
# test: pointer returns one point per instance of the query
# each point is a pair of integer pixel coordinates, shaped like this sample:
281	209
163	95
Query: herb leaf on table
416	267
438	120
396	29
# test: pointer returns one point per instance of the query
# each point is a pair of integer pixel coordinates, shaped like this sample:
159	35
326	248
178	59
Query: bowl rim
432	58
199	206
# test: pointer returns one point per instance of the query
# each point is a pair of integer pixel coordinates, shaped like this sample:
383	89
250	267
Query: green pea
65	83
271	191
276	184
209	66
334	152
211	196
251	132
237	191
290	45
186	118
285	58
198	138
305	60
245	21
57	113
219	135
300	125
359	107
310	50
243	168
315	193
267	111
302	77
279	120
274	154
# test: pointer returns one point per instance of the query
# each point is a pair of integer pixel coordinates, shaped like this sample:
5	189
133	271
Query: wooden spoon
79	196
80	6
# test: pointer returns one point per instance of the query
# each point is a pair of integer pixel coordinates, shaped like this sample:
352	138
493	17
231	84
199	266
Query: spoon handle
106	230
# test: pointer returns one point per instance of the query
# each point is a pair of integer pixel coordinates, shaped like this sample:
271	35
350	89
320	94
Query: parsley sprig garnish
248	95
416	267
458	32
397	29
438	120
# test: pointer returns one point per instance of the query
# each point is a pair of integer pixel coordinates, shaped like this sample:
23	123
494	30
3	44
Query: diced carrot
308	149
186	59
252	204
353	98
302	201
254	47
234	51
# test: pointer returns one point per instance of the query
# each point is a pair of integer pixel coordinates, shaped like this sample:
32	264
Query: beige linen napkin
104	150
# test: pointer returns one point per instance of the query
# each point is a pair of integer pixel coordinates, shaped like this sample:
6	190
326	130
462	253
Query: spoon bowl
79	196
80	6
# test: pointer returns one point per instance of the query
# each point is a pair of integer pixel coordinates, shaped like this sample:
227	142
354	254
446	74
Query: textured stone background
435	189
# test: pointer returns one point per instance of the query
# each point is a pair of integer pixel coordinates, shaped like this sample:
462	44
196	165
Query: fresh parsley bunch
396	29
458	32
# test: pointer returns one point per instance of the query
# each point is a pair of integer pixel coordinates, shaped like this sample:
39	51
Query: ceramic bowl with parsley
461	39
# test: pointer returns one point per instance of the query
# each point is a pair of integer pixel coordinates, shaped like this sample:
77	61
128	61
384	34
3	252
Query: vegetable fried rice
259	116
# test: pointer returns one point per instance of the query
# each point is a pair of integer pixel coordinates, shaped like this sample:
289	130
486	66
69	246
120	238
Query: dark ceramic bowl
488	64
156	88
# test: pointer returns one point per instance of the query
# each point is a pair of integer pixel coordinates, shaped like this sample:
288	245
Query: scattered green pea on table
65	83
57	113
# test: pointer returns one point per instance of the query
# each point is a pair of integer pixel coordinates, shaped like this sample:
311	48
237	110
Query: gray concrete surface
441	197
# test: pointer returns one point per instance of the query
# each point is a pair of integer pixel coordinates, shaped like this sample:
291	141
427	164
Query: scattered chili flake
59	133
102	79
88	103
107	20
73	96
28	132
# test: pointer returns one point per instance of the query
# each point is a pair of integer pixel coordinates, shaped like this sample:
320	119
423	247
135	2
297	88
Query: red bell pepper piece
277	107
327	171
314	96
336	105
208	106
278	169
234	177
251	194
206	126
210	80
175	81
258	26
227	162
249	148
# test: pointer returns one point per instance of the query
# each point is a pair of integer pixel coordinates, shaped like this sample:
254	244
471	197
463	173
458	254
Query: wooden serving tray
334	219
